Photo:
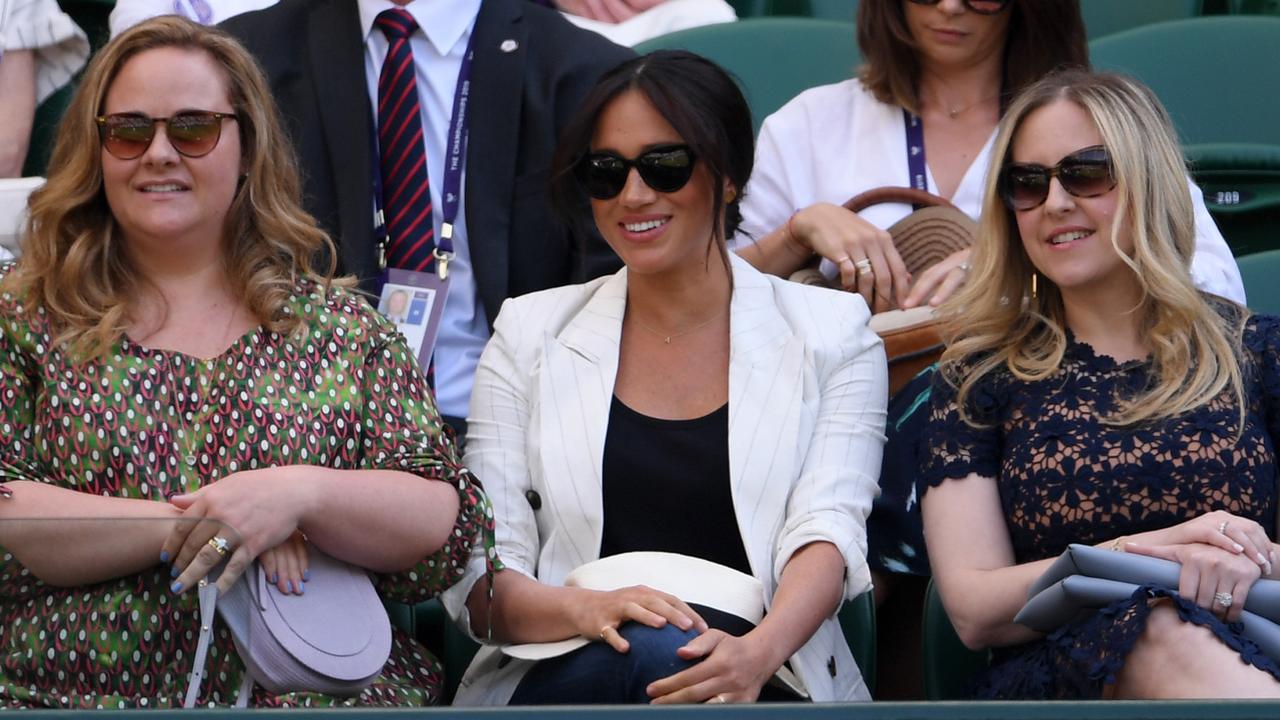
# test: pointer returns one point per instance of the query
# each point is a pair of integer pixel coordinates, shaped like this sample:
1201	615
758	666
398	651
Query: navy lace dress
1065	477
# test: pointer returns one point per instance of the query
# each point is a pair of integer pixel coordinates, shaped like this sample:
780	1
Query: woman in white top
686	404
955	65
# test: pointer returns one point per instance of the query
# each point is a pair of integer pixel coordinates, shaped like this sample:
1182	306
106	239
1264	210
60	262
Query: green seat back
1259	272
1104	17
773	58
1241	183
858	621
1218	76
948	664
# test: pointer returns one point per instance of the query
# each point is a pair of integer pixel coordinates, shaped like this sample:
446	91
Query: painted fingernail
288	584
1261	560
1238	547
306	574
302	588
164	556
173	571
176	587
275	578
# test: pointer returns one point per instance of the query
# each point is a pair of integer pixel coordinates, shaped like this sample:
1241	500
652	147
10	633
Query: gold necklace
955	112
666	337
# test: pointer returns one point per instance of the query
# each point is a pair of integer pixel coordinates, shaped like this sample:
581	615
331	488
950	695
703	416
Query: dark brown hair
702	103
1043	35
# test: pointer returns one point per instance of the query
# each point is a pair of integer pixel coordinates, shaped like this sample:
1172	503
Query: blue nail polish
173	571
164	556
306	574
289	584
302	588
176	587
275	578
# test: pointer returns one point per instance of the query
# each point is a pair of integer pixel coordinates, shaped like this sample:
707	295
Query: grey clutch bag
1085	578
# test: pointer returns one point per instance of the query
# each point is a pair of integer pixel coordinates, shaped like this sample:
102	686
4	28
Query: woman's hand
939	281
733	670
286	564
1221	529
845	239
252	510
1215	579
604	612
610	11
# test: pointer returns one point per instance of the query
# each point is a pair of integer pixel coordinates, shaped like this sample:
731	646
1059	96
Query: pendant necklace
666	337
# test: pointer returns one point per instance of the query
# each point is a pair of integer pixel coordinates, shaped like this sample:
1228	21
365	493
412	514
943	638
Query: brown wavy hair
1043	35
73	262
999	325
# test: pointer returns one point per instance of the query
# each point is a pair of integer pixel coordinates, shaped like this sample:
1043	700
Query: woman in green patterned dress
170	350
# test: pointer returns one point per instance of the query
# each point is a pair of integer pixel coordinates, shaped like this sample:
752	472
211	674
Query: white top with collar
438	45
835	141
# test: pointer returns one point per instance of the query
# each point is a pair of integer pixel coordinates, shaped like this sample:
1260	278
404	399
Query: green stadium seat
773	58
858	621
1259	272
948	664
1241	184
1217	78
1216	75
1104	17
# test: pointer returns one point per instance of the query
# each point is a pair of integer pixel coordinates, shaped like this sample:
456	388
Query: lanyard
456	148
915	150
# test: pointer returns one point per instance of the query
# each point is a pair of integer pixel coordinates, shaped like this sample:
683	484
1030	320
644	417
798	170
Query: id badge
414	301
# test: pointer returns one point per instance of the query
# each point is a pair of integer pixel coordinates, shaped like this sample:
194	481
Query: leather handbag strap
208	595
893	194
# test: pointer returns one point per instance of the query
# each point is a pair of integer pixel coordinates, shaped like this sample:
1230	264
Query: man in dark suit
531	68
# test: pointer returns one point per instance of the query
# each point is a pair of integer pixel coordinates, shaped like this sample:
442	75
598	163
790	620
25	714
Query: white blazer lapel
575	389
766	378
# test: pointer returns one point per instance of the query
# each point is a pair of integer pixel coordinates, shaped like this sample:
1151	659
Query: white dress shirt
835	141
61	47
438	45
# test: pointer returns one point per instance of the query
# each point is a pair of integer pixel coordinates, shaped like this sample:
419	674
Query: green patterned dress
348	394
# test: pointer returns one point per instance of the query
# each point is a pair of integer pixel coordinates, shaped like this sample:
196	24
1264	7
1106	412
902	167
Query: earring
1034	275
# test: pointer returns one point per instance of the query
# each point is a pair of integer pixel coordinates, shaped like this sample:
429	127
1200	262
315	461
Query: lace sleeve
1262	341
951	447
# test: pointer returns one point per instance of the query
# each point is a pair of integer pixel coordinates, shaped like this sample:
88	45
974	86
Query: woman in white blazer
686	404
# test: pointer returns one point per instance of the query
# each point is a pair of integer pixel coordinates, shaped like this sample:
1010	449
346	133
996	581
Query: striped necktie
406	196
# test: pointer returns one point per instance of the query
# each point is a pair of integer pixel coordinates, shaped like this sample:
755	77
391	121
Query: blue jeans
598	674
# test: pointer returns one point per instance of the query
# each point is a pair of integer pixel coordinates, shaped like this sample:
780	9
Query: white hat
693	580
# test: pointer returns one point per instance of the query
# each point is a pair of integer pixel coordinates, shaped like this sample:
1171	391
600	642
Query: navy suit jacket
313	55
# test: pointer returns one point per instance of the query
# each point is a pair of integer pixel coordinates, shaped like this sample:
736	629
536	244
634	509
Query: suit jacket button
831	665
535	500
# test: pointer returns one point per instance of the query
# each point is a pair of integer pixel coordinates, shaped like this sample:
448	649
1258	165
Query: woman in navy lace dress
1090	394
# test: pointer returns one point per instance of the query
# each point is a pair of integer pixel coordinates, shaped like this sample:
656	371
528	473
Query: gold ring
220	544
843	260
606	627
864	266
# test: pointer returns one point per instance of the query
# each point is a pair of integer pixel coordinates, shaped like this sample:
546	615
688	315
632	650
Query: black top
666	487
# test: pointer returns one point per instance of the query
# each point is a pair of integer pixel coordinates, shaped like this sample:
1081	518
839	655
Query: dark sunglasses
981	7
666	168
1084	173
193	133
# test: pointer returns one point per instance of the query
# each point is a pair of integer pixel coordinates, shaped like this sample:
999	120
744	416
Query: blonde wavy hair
999	324
73	262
